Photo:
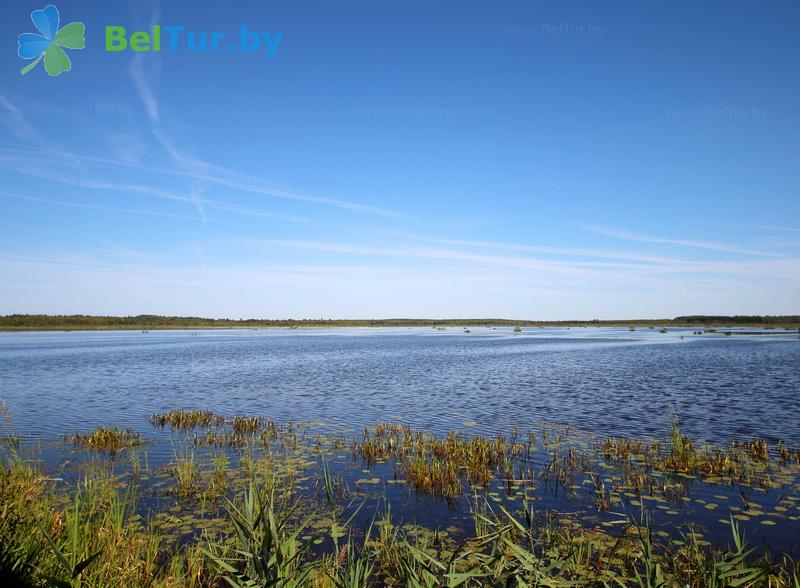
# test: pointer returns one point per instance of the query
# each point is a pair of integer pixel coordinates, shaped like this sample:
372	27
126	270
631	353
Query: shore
156	322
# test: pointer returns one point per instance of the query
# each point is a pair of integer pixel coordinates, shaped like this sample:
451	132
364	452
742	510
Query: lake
599	382
606	381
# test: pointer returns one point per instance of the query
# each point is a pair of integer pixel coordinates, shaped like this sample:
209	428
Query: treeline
148	321
701	319
34	322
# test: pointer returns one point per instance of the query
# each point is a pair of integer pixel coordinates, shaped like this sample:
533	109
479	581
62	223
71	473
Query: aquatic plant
436	465
218	484
186	419
25	499
185	472
246	425
93	539
264	553
355	569
108	440
196	536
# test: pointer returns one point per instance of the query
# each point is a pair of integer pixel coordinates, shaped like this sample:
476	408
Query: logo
179	38
50	44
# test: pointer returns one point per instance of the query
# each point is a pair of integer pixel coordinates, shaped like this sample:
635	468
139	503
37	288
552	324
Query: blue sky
542	160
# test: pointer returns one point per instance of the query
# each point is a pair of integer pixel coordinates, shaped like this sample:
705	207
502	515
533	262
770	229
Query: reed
436	465
108	440
246	425
265	551
185	471
236	514
185	420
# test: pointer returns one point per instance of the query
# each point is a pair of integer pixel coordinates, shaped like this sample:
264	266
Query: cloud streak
41	200
202	171
708	245
590	273
36	168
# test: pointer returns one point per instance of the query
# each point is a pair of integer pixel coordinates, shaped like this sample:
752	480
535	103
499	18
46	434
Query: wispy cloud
15	121
198	203
199	170
143	88
694	244
51	171
212	174
586	272
112	282
41	200
775	228
540	249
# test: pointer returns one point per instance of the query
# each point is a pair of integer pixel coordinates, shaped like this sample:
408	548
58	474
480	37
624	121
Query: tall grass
87	532
265	552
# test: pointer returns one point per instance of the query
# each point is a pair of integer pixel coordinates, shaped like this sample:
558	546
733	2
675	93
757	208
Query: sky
511	159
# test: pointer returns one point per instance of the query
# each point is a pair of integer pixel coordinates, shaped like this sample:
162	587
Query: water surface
607	381
597	381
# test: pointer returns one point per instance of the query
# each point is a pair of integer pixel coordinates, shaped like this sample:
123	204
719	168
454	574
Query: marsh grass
234	514
185	470
437	465
246	425
185	420
219	483
108	440
746	463
93	539
265	552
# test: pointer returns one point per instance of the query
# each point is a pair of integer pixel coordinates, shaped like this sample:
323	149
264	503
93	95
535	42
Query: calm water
599	381
606	381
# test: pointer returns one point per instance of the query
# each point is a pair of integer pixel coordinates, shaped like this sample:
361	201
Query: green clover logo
49	44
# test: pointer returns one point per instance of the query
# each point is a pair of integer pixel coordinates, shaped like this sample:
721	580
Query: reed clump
222	439
246	424
437	465
743	462
108	440
185	471
185	420
244	432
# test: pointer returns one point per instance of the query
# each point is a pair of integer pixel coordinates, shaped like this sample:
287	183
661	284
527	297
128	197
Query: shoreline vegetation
29	322
249	503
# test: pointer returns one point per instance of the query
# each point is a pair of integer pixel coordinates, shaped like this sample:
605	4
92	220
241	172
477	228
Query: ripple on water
607	381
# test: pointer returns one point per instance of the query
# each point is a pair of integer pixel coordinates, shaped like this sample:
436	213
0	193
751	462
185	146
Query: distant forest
738	320
35	322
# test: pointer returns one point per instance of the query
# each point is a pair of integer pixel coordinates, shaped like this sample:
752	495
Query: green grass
95	541
237	517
